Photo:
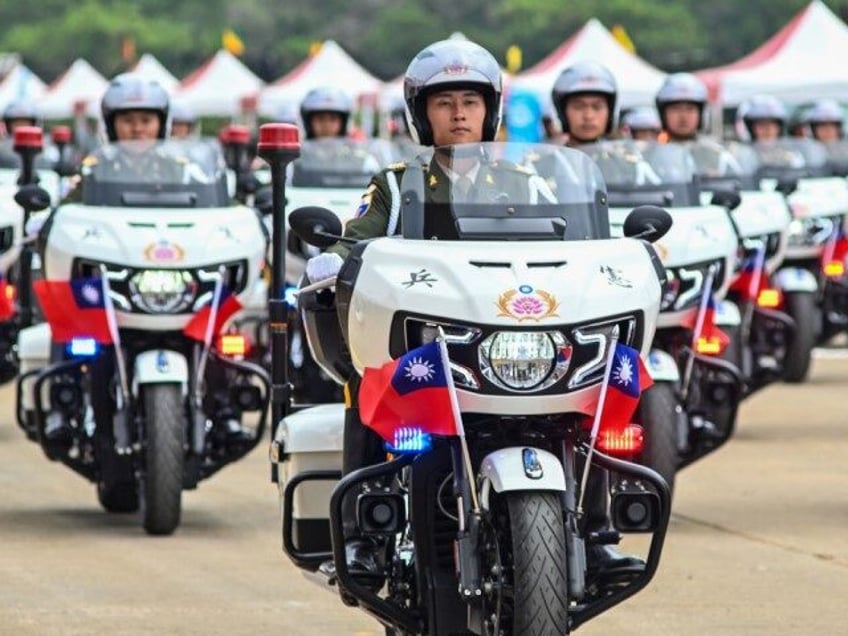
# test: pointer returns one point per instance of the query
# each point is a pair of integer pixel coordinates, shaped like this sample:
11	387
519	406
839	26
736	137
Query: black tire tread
540	578
802	307
656	416
163	482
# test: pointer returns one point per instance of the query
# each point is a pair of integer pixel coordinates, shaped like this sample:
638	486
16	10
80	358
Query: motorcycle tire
118	498
162	485
540	576
656	416
802	307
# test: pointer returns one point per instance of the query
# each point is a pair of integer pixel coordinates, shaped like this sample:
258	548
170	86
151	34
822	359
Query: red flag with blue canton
196	327
74	309
411	391
628	379
709	329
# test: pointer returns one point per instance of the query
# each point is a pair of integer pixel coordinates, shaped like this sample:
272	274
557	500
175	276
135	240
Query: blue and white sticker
365	202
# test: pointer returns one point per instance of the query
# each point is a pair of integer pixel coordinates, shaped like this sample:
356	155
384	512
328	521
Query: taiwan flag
709	330
74	308
628	378
413	391
196	327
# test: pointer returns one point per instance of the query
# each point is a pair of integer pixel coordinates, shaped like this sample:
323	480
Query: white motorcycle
135	370
691	409
485	532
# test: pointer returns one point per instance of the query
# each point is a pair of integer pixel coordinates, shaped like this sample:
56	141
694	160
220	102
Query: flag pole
596	424
698	330
210	327
112	323
457	417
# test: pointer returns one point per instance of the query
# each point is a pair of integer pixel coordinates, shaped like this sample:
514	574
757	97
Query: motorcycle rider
325	112
642	124
682	102
825	120
585	96
764	118
453	91
23	112
183	121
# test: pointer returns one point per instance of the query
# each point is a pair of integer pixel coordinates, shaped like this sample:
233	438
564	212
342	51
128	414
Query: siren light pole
28	142
279	145
61	136
235	140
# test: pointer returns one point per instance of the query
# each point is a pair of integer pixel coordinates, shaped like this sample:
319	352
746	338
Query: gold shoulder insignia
433	181
181	159
400	165
90	160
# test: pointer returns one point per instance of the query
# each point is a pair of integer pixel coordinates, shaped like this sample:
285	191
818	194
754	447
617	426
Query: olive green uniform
494	179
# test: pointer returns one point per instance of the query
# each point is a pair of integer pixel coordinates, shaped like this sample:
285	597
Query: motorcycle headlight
593	341
524	360
162	291
672	289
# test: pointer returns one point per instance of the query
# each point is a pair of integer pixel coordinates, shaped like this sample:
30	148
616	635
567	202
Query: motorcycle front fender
662	366
795	279
519	468
160	366
727	314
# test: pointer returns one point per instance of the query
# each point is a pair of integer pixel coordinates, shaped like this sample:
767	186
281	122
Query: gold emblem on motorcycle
527	303
164	252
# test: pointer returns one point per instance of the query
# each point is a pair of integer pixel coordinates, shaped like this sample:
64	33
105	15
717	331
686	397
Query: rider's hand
34	224
323	266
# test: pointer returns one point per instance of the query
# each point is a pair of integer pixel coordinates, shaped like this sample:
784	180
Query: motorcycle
690	410
12	220
768	338
812	176
331	173
819	203
135	364
484	531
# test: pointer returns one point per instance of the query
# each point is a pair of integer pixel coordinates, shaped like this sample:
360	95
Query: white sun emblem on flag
623	373
419	370
90	294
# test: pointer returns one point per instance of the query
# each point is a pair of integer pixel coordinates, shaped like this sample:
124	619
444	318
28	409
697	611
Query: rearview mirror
647	222
32	198
316	226
726	199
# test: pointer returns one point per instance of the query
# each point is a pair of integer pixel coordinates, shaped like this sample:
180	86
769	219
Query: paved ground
758	543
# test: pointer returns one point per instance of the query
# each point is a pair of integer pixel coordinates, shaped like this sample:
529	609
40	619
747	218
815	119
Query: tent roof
796	64
79	83
638	81
150	67
218	86
20	83
331	66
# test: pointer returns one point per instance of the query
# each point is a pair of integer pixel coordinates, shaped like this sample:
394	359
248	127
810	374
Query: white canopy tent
79	84
20	83
638	81
148	66
802	61
219	87
331	66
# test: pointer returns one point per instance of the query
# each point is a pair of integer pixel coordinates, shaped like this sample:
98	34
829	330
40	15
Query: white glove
323	266
34	224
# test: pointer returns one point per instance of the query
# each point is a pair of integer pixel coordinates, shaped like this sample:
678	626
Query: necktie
462	187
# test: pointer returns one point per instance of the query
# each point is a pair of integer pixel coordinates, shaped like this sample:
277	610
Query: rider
453	91
764	118
682	105
825	118
642	124
23	112
325	112
183	121
585	97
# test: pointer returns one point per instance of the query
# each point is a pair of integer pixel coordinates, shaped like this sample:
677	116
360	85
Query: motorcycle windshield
645	173
791	157
728	166
341	163
157	174
837	157
504	191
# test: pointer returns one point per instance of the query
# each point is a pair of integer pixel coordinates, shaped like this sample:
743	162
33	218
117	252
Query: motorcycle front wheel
539	574
657	416
162	484
802	307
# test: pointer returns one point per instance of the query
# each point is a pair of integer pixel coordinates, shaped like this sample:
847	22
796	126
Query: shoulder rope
394	213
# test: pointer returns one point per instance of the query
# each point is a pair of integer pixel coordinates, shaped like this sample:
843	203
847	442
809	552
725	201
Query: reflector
770	298
624	442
